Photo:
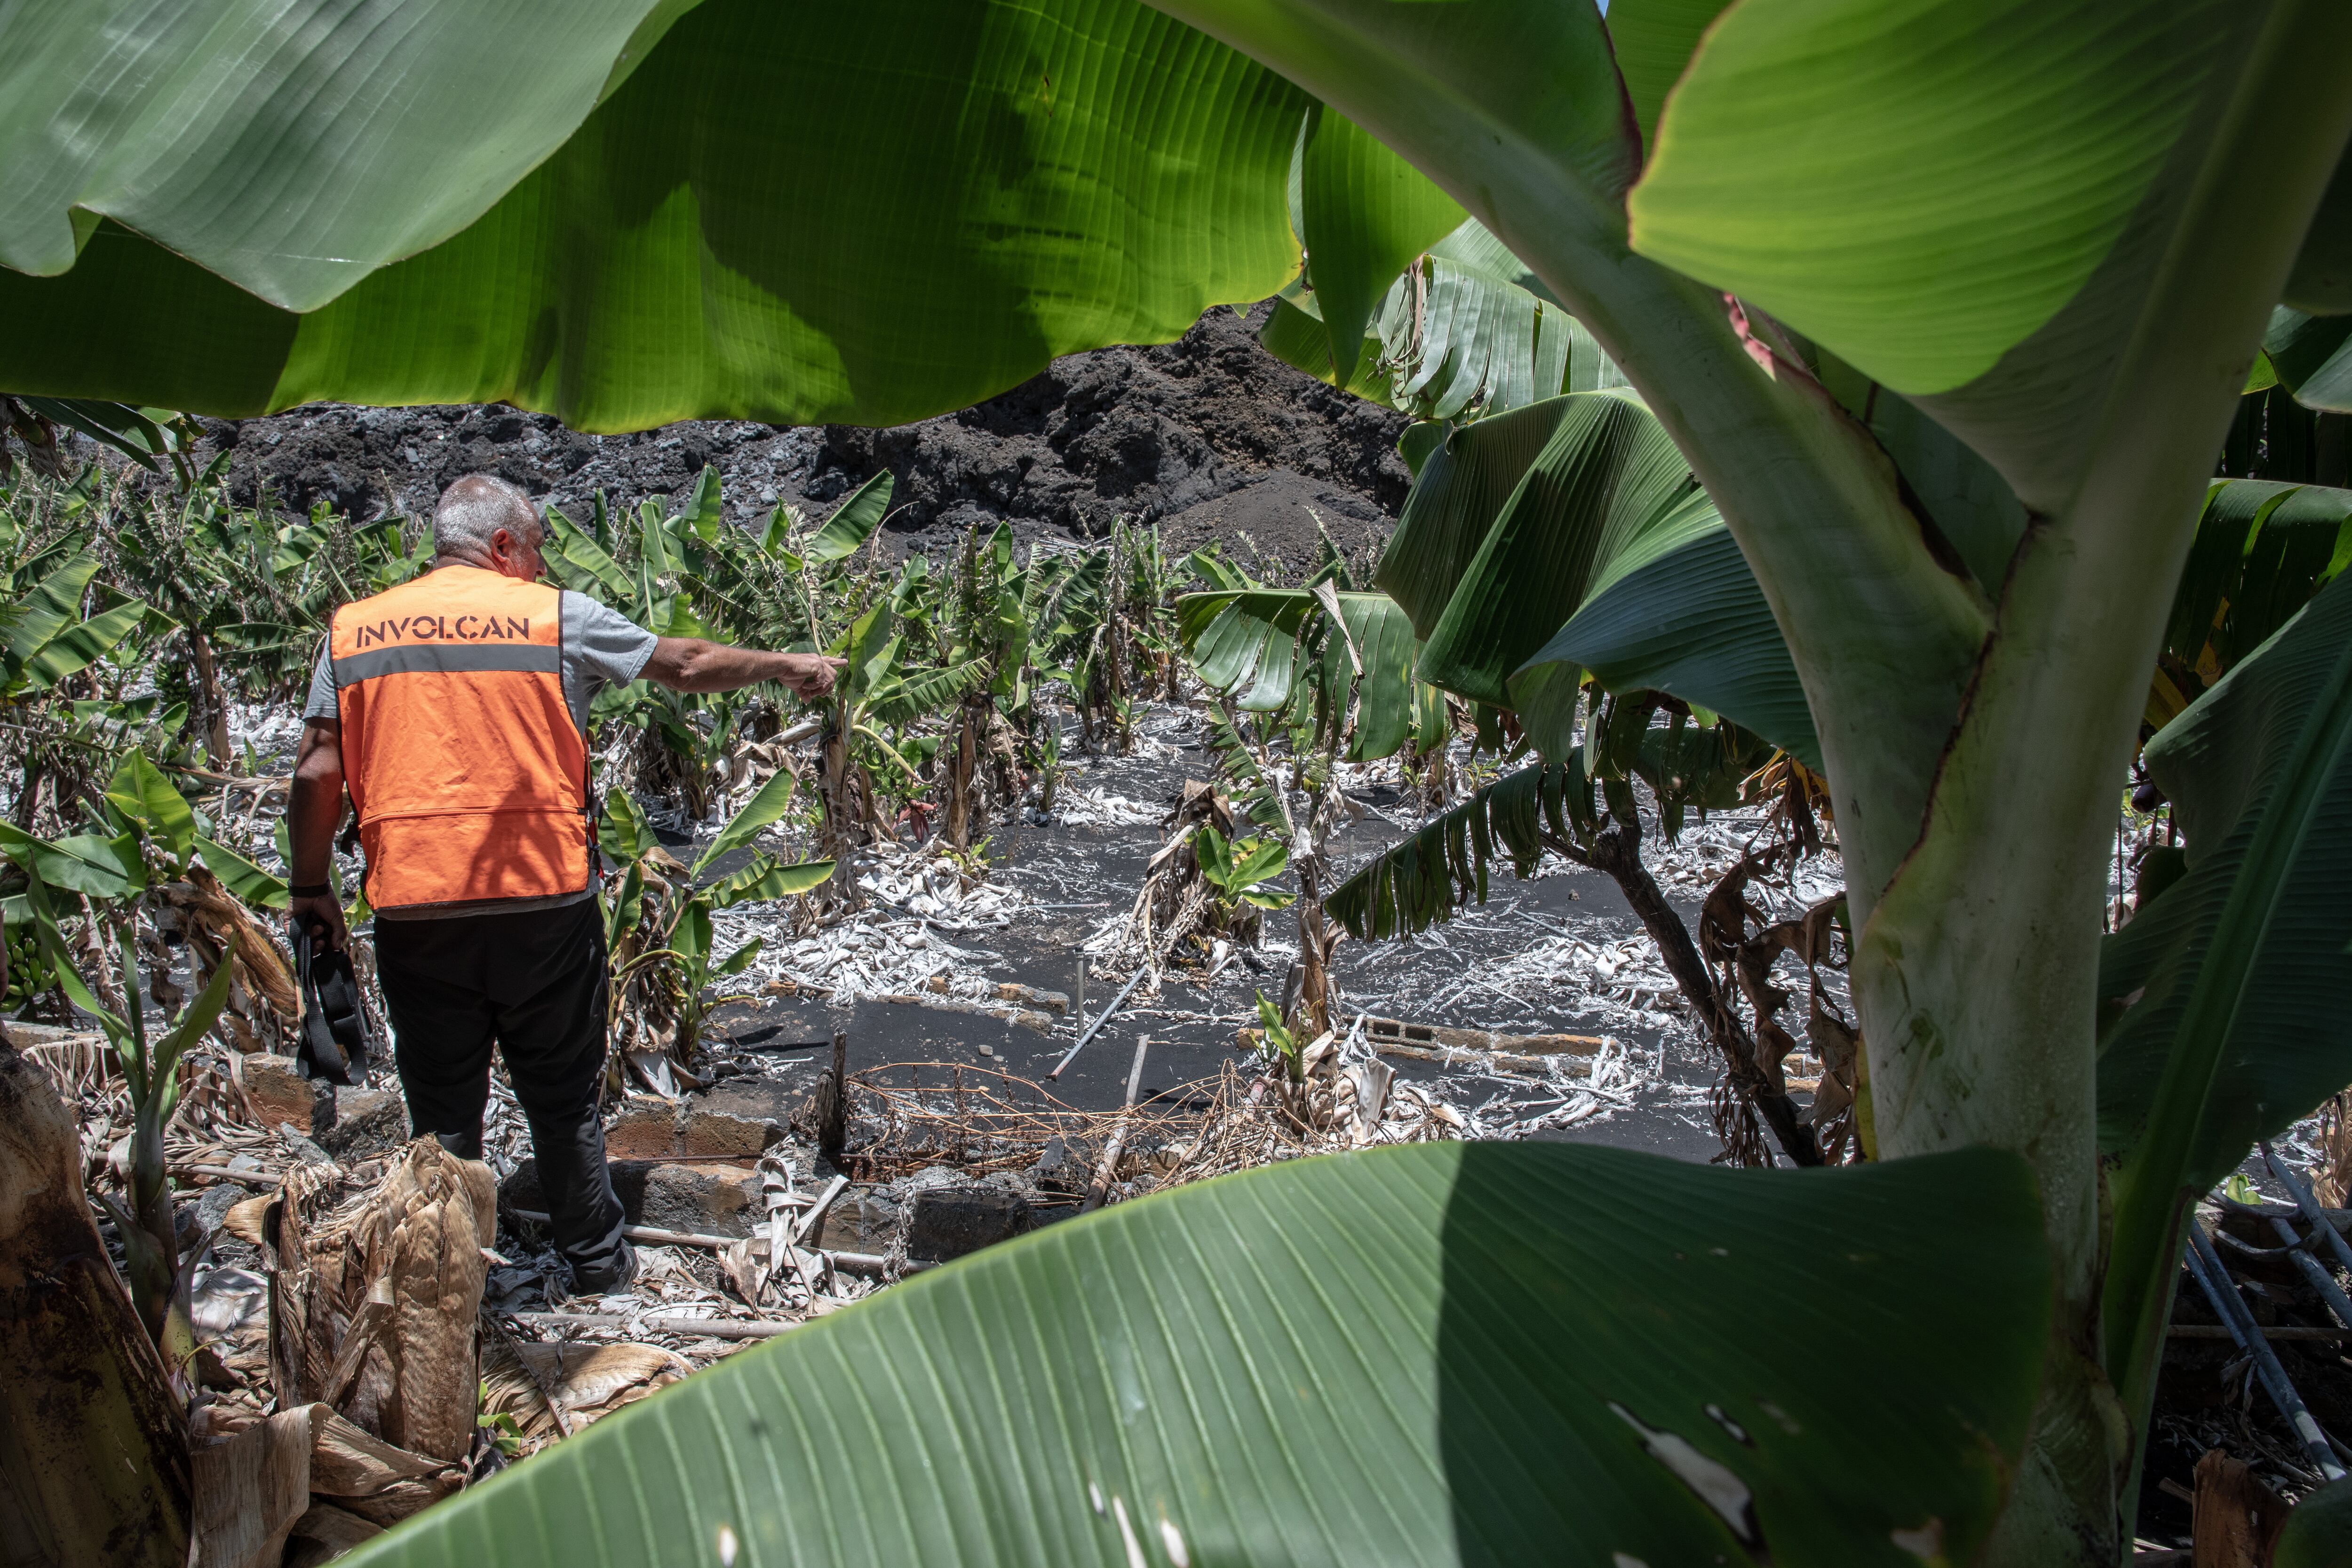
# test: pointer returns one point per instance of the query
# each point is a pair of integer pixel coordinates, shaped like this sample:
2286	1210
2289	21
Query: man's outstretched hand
690	664
811	675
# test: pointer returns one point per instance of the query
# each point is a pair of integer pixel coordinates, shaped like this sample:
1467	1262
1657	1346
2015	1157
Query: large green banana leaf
853	521
1373	651
49	637
133	432
291	148
1296	335
1653	40
1460	487
1454	325
2312	357
1253	645
1368	214
1923	278
1466	330
1446	1353
1423	879
1571	532
1550	806
2234	982
1246	644
2262	549
1678	611
1885	178
1475	332
2318	1534
865	213
1607	474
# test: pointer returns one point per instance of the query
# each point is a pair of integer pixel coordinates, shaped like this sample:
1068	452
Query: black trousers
533	984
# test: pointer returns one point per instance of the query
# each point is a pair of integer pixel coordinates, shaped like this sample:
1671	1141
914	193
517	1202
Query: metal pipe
2315	1274
2206	1266
1089	1032
2312	1212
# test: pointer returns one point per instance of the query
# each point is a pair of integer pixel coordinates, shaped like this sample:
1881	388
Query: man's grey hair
475	507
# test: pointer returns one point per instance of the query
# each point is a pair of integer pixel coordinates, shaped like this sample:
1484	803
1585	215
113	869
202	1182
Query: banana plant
142	434
107	872
998	714
687	736
658	926
54	632
1334	668
684	572
147	1223
1465	331
1240	869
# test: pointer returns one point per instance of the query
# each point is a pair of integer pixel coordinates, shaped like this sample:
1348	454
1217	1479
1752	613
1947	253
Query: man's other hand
309	915
812	674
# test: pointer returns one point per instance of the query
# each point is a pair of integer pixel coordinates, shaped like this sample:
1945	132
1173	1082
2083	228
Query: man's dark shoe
465	1145
611	1278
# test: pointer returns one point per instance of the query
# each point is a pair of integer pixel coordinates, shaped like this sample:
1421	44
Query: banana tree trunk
1316	939
962	783
214	706
94	1464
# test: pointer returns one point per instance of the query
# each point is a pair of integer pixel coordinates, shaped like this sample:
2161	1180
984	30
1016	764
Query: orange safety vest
470	777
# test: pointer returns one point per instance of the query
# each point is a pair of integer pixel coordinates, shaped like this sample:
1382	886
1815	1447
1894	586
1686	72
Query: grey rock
366	1122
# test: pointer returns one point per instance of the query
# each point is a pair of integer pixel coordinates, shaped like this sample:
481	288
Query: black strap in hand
335	1027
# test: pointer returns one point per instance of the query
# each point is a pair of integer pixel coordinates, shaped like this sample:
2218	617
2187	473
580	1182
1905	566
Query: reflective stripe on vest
461	754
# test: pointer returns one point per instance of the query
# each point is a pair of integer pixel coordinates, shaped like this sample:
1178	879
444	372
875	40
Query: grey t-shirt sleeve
321	703
602	647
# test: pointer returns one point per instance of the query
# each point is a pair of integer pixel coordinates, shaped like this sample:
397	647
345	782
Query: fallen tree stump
1439	1039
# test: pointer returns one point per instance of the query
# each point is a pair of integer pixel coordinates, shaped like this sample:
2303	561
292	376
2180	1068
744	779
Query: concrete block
948	1221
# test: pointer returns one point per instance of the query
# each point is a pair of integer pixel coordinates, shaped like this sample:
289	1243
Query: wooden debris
815	1217
1009	991
2236	1518
1434	1040
1098	1190
1494	1061
704	1328
832	1103
1024	1017
653	1234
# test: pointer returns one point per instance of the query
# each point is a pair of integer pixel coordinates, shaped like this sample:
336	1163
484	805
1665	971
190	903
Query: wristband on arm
311	890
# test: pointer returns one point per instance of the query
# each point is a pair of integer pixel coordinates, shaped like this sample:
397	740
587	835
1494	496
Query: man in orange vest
455	709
